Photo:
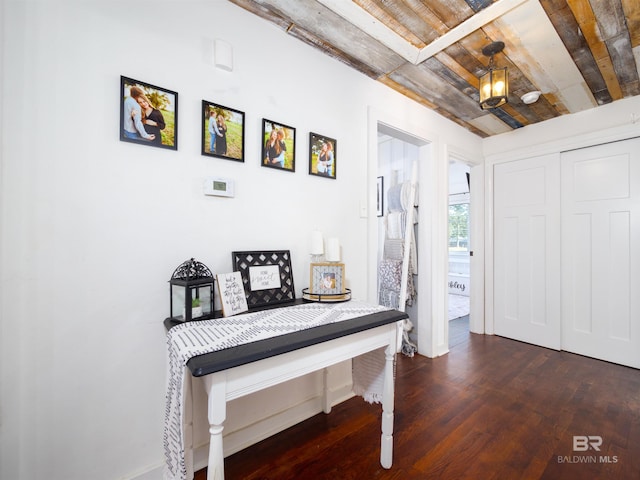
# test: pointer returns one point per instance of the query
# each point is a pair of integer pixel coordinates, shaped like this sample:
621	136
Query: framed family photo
327	278
222	132
148	114
322	155
278	146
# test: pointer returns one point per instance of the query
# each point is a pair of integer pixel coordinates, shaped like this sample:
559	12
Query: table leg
386	442
187	424
326	391
215	385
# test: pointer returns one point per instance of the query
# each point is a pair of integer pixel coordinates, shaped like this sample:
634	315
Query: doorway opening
430	329
459	243
398	217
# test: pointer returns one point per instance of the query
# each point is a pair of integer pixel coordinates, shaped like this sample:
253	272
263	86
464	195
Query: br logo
582	443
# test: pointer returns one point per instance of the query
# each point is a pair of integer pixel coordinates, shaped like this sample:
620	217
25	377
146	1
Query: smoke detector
531	97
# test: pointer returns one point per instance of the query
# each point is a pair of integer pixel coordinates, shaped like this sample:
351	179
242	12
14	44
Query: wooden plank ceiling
578	53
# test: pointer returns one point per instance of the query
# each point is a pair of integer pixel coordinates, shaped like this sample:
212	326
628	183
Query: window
459	228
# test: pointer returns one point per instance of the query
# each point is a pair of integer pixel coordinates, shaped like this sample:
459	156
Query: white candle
333	250
317	243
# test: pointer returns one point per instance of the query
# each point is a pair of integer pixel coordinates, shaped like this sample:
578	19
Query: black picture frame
380	196
327	147
246	261
161	121
274	156
233	135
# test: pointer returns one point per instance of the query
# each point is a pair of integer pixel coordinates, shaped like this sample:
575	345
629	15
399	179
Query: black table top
251	352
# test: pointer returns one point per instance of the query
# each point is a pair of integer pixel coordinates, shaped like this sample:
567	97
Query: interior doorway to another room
398	216
459	277
430	316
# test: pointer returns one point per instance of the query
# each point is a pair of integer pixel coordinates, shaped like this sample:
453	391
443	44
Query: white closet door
527	250
601	252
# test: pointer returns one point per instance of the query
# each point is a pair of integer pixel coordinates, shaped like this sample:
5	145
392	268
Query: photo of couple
148	114
322	156
222	132
278	147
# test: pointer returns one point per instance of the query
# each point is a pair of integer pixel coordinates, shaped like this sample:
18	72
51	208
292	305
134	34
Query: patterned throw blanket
188	340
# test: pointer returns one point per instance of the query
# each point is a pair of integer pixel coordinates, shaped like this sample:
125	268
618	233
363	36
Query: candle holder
316	258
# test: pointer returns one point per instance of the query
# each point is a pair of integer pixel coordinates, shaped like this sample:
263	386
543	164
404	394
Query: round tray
326	297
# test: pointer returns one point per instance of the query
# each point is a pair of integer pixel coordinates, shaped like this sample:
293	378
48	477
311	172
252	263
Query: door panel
601	252
527	252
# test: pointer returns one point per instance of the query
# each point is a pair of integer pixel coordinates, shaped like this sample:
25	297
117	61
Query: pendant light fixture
494	85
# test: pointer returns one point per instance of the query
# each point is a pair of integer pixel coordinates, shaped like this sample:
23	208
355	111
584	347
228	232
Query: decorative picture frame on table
148	114
327	278
267	276
323	155
278	146
380	197
225	126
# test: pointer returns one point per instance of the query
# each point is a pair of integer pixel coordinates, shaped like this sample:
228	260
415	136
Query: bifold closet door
527	250
601	252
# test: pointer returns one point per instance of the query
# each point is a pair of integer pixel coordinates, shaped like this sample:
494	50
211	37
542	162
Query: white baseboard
256	432
252	434
155	473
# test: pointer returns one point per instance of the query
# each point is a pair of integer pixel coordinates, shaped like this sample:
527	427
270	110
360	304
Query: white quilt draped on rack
187	340
399	259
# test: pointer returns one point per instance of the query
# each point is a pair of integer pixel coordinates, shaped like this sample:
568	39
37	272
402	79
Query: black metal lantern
191	292
494	85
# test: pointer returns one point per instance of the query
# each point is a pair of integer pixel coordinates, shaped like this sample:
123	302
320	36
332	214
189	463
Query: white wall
92	228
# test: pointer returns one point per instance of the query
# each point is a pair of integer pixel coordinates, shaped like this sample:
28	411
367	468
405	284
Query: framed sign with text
267	276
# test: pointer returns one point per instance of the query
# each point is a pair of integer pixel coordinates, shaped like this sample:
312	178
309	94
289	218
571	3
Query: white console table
238	371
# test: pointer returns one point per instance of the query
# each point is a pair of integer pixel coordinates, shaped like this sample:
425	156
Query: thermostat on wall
221	187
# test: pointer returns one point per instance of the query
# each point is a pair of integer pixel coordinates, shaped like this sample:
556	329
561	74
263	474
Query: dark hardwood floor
492	408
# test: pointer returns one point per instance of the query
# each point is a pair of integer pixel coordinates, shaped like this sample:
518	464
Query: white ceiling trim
356	15
366	22
474	23
490	124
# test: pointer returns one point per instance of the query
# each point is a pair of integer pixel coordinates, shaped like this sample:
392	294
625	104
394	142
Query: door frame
476	219
433	192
